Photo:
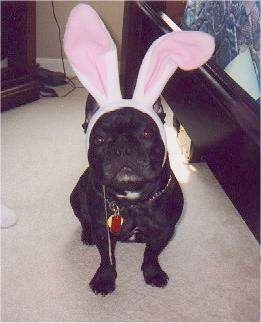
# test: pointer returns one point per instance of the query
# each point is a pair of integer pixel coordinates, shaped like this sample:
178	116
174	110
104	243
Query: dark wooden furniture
19	84
221	119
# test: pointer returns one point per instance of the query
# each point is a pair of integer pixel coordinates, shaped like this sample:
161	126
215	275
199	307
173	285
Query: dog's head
133	135
126	150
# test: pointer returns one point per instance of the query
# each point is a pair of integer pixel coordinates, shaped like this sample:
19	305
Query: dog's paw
154	275
87	239
103	281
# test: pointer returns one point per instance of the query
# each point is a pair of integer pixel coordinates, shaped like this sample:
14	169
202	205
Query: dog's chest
135	224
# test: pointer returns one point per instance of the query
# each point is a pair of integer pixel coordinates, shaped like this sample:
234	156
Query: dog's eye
147	134
98	140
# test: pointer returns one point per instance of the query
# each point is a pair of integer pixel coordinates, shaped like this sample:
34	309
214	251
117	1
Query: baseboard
55	64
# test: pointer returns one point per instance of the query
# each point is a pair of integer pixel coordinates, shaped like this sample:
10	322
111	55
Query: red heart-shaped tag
114	222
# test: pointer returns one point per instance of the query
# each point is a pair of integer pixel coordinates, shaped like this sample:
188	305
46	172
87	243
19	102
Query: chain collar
157	194
112	204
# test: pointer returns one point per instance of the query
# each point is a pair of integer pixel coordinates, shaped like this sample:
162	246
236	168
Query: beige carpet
213	261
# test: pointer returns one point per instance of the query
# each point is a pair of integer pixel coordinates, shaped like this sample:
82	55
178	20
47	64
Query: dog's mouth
127	180
126	175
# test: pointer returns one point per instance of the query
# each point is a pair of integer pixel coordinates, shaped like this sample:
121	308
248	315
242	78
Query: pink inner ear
187	49
86	42
160	61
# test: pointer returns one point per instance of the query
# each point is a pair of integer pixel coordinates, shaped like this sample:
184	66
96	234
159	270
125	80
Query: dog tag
114	222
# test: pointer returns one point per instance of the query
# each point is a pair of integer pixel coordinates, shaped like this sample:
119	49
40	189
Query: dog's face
126	150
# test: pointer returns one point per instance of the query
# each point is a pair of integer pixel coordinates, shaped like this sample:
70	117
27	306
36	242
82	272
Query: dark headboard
221	119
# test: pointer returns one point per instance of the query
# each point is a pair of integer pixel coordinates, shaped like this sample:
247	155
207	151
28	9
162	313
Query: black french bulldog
126	153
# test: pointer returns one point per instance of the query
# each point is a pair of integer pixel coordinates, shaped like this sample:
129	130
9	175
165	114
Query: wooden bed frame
221	119
19	83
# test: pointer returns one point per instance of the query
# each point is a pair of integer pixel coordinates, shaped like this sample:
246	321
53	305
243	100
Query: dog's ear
158	108
90	108
187	50
92	54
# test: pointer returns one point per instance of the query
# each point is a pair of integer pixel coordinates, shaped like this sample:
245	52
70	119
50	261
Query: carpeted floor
213	261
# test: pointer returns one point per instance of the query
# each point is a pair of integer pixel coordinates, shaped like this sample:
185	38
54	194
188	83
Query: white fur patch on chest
130	195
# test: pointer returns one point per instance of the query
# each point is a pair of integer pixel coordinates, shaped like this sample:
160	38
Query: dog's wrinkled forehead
124	120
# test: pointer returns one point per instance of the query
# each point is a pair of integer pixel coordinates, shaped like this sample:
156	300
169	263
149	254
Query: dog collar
152	198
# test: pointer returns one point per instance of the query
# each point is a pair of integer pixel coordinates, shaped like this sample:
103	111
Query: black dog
125	155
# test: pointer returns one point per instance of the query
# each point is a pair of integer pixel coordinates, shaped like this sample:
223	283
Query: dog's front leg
103	281
152	272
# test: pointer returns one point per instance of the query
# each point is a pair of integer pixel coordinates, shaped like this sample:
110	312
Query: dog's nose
122	147
122	151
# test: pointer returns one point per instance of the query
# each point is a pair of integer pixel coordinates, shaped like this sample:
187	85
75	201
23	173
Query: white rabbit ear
185	49
92	54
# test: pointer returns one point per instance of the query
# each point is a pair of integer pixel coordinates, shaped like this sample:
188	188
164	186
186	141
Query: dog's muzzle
126	174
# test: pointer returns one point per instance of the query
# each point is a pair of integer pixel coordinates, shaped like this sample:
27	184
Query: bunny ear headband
93	56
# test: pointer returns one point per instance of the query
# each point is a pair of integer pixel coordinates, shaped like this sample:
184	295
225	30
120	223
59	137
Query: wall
47	42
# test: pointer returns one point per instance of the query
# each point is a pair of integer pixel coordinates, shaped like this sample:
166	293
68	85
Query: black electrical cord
69	80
